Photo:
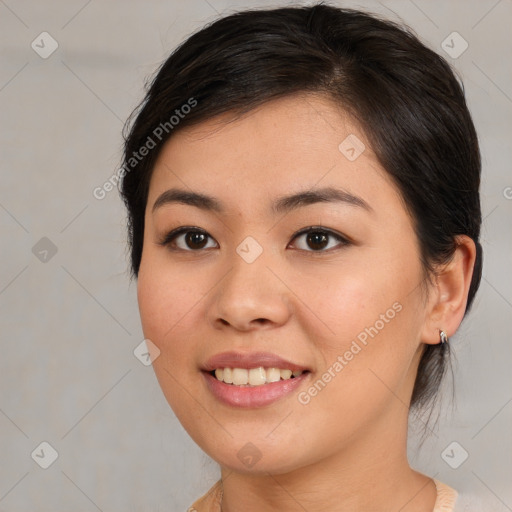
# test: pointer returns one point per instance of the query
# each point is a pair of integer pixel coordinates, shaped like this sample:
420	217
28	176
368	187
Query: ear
449	293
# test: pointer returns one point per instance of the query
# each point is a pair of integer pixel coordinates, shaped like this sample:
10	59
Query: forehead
293	124
297	142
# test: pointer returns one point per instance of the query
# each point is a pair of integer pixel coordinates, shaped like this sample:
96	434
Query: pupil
317	240
194	238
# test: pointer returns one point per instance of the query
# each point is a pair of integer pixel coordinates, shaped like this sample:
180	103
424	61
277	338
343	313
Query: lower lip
252	396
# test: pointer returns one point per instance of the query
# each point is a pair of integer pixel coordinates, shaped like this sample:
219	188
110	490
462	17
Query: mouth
247	389
252	379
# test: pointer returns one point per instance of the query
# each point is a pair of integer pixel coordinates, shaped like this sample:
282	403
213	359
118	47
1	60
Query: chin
273	465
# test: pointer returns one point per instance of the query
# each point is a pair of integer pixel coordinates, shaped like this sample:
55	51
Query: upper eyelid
334	234
173	234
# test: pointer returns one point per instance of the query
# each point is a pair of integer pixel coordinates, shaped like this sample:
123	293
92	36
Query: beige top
210	502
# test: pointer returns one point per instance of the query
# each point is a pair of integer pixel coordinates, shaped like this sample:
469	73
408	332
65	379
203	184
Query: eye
191	239
187	238
318	239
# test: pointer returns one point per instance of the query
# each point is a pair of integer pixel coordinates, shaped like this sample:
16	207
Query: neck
371	472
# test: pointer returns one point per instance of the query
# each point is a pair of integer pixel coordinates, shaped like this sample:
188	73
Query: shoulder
473	502
449	500
210	502
446	497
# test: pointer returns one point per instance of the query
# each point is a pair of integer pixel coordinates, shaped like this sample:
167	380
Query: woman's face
345	302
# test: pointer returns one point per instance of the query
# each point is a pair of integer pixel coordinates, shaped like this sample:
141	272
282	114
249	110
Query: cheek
166	302
351	298
166	306
371	317
368	361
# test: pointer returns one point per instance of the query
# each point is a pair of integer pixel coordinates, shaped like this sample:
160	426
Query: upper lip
250	360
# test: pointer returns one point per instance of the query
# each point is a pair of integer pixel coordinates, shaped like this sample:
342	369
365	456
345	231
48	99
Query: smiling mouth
255	376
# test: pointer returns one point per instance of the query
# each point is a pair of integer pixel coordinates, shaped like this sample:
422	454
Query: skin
346	449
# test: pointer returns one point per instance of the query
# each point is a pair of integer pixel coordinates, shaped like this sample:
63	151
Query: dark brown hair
404	96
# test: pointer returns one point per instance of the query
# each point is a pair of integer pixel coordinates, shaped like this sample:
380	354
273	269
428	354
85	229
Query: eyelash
172	235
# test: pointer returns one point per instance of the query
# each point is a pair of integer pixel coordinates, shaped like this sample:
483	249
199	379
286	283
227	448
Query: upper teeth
254	376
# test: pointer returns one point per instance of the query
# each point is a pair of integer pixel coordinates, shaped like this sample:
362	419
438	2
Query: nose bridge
249	268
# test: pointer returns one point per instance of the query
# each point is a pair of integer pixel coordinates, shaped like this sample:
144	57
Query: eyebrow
280	205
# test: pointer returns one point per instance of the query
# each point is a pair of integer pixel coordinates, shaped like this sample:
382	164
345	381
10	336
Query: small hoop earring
443	337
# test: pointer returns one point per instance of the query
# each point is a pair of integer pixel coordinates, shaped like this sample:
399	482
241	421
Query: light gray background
68	326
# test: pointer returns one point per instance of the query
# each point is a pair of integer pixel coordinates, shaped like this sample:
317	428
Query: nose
251	296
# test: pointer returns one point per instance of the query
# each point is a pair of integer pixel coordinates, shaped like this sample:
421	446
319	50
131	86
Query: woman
302	187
